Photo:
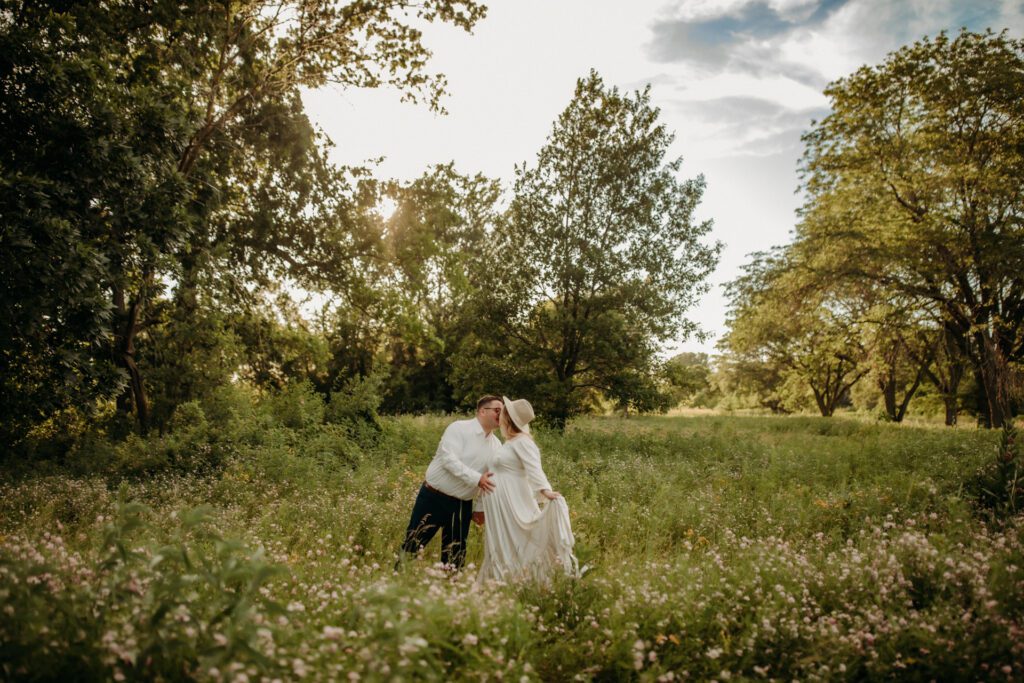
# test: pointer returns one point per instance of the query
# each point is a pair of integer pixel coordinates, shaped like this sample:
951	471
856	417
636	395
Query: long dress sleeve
529	455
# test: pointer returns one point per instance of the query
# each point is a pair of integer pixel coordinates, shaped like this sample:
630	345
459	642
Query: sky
738	81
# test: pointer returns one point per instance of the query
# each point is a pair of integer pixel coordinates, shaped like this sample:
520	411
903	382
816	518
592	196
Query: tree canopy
151	149
913	183
595	262
167	203
908	257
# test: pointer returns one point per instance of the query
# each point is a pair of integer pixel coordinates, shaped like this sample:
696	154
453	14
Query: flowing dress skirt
521	539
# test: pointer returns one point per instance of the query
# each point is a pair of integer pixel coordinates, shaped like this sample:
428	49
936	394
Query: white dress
521	539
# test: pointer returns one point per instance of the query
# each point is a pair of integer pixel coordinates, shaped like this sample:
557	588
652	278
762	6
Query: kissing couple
473	476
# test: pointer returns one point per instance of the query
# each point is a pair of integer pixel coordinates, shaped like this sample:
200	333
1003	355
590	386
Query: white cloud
780	89
691	10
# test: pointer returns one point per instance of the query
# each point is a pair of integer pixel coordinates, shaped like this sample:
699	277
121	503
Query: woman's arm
529	455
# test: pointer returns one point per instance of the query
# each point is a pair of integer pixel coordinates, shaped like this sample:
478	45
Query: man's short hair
484	400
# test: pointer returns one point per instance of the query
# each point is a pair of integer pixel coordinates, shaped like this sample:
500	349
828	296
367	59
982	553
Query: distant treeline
165	199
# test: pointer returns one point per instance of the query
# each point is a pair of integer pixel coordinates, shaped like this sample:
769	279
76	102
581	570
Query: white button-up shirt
462	456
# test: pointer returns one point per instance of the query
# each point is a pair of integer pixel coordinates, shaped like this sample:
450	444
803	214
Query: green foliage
82	173
144	146
999	484
435	238
202	437
750	382
168	610
912	185
354	407
188	355
229	409
595	264
296	406
841	547
782	315
906	264
691	380
405	315
279	346
190	444
901	353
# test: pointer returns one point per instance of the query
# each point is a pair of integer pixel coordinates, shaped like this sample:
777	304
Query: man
455	478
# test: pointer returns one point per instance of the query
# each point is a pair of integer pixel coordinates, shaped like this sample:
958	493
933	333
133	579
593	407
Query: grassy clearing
716	546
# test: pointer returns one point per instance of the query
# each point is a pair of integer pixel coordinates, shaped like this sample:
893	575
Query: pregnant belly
512	500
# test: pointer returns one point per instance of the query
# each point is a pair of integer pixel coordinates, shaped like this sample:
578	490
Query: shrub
355	407
998	485
296	406
230	409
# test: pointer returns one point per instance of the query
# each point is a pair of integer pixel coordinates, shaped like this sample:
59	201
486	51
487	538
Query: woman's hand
550	495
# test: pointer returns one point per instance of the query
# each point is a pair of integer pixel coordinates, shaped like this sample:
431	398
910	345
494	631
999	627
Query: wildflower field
261	547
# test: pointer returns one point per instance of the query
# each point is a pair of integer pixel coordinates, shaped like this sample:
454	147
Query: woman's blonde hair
507	426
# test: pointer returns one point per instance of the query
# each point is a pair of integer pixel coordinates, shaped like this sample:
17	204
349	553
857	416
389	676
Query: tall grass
715	546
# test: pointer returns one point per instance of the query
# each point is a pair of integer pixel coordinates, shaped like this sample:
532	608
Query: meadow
257	543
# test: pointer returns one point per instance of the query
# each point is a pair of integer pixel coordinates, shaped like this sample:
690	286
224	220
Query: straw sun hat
520	412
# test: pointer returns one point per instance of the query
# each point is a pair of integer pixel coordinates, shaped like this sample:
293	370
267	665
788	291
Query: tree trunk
994	376
948	371
901	412
561	404
951	409
949	393
823	407
134	395
835	389
888	386
559	416
984	416
138	390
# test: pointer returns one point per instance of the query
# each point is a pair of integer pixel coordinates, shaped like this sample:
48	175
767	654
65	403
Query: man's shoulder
461	425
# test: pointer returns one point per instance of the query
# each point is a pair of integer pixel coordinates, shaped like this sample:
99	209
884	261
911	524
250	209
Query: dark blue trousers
434	510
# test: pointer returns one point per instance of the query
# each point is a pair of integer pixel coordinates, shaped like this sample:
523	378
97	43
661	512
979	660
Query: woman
523	540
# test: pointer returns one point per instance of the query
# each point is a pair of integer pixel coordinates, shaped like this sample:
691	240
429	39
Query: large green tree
83	164
144	145
901	345
781	314
435	235
690	379
913	182
595	263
